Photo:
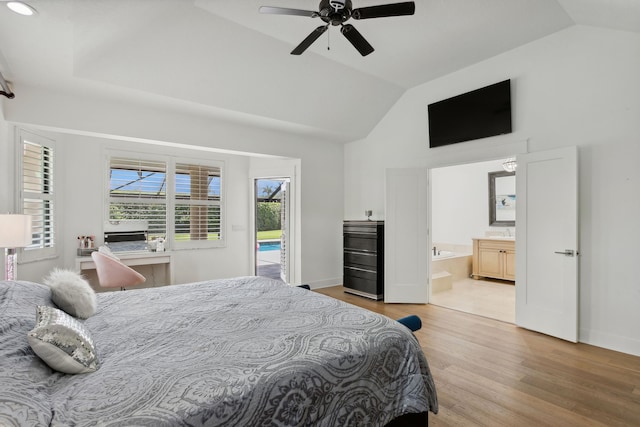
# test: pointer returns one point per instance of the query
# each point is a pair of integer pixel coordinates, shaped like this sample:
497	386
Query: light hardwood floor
492	373
490	298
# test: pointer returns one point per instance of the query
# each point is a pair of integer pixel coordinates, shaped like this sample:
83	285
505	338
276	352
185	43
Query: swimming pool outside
266	246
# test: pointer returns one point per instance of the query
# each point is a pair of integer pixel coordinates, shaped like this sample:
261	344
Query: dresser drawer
366	228
362	285
360	242
360	259
360	272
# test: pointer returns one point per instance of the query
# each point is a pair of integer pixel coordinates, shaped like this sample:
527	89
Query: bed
246	351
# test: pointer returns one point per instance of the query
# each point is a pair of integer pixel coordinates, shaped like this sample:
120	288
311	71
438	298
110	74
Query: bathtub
455	263
443	255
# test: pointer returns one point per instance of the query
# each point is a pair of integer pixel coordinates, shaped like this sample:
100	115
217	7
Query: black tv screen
477	114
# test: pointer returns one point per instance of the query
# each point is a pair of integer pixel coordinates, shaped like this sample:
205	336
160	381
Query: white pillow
72	293
62	342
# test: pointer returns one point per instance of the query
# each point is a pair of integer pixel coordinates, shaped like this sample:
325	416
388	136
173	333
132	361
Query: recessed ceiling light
21	8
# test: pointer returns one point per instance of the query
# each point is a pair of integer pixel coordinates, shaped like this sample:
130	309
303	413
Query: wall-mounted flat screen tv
477	114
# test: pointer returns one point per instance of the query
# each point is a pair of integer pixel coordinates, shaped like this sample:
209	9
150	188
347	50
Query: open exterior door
272	255
284	227
547	242
405	250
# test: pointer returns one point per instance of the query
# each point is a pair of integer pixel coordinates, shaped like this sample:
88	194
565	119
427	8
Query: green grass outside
269	234
262	235
186	236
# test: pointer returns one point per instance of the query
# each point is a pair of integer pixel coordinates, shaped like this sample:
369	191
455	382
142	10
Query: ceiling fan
337	12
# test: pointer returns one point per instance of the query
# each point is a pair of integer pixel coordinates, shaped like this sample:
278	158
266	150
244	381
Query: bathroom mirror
502	199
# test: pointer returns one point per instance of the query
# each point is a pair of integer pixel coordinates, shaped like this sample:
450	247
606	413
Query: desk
133	259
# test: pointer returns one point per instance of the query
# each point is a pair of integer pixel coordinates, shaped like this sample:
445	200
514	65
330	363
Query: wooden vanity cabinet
494	258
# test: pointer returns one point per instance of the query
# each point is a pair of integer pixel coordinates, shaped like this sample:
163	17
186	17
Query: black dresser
364	258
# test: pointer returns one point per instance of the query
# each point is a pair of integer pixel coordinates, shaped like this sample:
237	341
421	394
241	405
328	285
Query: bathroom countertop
509	238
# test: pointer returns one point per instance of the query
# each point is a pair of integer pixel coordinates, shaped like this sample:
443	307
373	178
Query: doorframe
452	155
287	168
289	235
431	205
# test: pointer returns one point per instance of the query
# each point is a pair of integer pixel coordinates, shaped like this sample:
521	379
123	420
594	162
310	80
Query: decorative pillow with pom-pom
72	293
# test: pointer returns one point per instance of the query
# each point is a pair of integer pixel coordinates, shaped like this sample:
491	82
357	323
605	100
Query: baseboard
325	283
610	341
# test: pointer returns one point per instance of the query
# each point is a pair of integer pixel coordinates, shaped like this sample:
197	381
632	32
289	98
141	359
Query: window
37	193
197	202
138	191
179	199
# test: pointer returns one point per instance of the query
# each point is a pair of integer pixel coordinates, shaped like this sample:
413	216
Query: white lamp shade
15	230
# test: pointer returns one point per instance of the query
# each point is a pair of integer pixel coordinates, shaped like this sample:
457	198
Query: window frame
47	252
171	161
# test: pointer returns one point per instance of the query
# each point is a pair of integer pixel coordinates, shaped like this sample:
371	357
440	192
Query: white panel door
406	261
547	242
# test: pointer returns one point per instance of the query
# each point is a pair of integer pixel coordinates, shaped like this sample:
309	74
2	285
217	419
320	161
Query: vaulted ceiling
224	59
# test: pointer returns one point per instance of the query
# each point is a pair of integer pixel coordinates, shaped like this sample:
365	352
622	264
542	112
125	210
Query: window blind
38	192
197	202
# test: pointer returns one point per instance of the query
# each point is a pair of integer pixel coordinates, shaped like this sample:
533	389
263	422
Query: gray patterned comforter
237	352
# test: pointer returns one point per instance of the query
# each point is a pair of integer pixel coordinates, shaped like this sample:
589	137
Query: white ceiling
222	58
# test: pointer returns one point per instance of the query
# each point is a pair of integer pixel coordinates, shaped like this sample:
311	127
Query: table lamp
15	232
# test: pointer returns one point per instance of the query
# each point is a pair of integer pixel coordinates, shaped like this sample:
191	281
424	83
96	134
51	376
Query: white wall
82	201
459	202
6	167
84	127
575	87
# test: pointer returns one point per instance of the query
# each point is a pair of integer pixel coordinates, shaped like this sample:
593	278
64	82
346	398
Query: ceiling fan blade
287	11
309	40
384	10
356	39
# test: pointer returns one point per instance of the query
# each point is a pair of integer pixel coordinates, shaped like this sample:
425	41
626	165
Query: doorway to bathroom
460	216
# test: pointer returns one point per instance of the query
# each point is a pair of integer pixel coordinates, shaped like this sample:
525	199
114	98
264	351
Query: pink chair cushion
114	274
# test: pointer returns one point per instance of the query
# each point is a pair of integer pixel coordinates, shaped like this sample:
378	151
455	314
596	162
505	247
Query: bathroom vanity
494	257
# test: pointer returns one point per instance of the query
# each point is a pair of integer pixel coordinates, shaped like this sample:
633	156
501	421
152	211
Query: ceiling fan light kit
21	8
337	12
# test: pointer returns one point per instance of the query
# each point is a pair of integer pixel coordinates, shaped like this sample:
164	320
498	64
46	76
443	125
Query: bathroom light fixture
21	8
510	164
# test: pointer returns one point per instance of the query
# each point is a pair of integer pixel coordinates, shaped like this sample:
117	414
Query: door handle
567	252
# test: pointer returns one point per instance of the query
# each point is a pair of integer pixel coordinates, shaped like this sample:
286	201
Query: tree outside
268	216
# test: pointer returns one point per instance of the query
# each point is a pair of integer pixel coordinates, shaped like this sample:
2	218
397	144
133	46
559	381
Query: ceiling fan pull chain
328	40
